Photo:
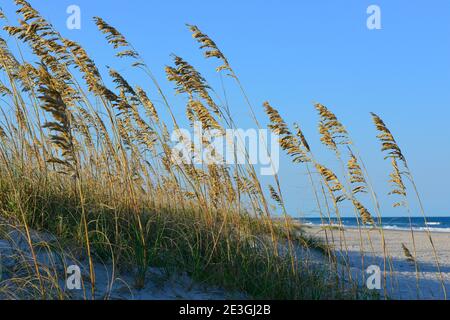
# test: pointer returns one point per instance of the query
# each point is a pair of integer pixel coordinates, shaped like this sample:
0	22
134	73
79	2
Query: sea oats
115	38
274	195
333	133
357	179
295	146
211	49
407	253
387	139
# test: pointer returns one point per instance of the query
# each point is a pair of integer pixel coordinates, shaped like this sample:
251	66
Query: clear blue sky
294	53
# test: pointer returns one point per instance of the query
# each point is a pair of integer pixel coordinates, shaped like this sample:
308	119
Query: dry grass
93	166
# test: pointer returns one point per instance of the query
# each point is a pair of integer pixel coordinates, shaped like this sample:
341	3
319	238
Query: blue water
438	224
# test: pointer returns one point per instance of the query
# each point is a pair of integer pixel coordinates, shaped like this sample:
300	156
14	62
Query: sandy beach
398	275
400	279
16	263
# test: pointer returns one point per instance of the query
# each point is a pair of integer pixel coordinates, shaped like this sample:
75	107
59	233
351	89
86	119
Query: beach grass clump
92	165
88	158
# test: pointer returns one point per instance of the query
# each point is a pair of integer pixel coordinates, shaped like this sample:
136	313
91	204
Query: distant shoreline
433	224
386	228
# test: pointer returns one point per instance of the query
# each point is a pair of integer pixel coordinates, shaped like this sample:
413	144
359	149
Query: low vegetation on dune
92	165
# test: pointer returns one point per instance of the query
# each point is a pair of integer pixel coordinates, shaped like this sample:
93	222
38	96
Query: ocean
437	224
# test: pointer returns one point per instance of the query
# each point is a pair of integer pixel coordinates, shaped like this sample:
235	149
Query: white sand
401	277
400	281
16	262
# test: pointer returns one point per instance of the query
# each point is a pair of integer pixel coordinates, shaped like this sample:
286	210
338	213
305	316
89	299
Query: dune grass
93	166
